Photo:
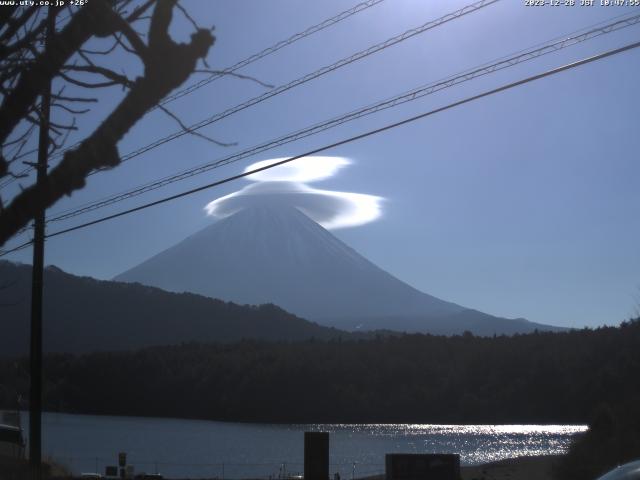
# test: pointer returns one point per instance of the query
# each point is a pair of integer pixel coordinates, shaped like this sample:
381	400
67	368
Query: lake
206	449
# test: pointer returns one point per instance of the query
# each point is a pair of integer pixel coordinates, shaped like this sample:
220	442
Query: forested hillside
534	378
82	314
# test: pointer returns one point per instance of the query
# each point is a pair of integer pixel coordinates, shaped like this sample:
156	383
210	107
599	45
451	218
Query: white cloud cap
305	169
283	186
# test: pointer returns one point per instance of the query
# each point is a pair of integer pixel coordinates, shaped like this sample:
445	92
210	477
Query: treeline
534	378
613	439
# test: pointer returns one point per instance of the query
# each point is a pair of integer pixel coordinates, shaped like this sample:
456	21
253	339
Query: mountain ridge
82	314
276	254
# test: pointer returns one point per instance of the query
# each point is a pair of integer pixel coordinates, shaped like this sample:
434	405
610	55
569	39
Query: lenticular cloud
305	169
285	185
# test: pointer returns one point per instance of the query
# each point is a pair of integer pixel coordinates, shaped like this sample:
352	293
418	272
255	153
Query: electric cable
238	65
354	138
414	94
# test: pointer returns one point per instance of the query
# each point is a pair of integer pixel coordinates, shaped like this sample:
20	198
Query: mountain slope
82	314
278	255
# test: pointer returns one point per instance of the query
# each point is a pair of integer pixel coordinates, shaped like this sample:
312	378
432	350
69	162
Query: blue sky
524	204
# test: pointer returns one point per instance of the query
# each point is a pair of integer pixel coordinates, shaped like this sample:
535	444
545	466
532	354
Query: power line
15	249
508	86
274	48
299	81
311	76
505	62
237	66
376	131
21	173
306	78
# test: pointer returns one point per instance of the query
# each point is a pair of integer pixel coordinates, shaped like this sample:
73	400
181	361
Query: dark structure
405	466
316	455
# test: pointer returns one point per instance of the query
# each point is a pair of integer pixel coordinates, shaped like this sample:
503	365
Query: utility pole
35	397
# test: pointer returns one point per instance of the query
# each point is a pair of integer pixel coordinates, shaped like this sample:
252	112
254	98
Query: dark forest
533	378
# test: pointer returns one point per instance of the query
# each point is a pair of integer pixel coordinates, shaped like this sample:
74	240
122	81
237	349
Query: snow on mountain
276	254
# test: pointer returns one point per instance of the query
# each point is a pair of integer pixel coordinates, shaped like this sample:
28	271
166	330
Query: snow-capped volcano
275	254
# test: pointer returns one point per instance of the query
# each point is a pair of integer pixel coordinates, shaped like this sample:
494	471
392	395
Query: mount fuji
276	254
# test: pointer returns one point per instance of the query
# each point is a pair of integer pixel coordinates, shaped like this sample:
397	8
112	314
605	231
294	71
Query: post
35	396
316	455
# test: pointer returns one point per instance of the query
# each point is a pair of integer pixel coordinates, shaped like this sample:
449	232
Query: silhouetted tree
534	378
26	67
613	439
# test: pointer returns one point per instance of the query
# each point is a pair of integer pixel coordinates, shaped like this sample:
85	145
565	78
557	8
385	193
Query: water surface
205	449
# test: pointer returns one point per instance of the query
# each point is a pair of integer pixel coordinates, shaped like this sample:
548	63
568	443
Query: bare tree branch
13	25
82	84
236	75
115	78
29	37
75	99
69	109
19	139
188	17
99	52
167	66
195	133
138	12
93	19
138	46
